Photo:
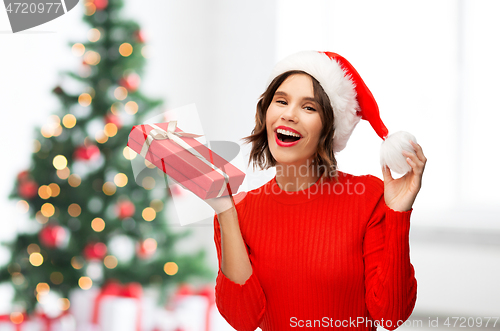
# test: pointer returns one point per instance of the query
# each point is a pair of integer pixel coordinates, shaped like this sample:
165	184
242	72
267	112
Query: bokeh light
57	131
40	218
120	180
74	180
36	146
148	214
78	49
145	52
85	283
149	164
148	183
92	58
33	248
101	137
110	262
36	259
131	107
74	210
46	131
48	209
54	190
94	35
90	8
170	268
115	108
44	192
22	206
129	153
60	162
42	288
64	304
109	188
98	224
16	317
120	93
84	99
52	127
54	119
63	173
110	129
125	49
77	262
69	121
150	245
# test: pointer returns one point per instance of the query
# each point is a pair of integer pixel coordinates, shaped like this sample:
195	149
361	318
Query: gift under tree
90	221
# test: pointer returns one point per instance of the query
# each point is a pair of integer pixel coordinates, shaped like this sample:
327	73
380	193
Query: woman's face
293	122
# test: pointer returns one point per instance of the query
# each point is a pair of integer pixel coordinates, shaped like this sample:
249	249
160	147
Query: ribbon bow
158	133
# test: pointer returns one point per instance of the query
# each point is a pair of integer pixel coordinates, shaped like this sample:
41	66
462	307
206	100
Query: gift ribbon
131	290
207	292
160	134
6	318
47	321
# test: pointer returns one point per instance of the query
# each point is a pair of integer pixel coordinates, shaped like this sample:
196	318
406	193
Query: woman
316	247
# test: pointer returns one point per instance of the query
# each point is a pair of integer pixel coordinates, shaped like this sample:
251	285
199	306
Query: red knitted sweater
333	255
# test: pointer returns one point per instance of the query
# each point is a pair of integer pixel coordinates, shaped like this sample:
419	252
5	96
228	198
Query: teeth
288	133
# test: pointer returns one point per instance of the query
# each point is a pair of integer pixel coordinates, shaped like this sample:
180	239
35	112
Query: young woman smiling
315	244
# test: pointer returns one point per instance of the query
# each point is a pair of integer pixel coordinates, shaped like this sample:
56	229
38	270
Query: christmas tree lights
90	221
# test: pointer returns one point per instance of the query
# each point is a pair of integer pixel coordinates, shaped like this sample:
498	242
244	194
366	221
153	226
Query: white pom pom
391	151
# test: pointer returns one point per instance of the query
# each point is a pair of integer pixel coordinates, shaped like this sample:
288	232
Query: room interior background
432	66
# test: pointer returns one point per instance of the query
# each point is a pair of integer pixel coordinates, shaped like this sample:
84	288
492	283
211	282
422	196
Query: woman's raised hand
221	204
400	193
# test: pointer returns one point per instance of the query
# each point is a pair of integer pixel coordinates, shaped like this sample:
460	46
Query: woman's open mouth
287	137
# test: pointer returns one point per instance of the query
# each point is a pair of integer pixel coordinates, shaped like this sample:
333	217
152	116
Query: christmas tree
90	220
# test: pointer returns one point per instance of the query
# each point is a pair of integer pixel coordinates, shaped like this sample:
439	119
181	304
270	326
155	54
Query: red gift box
185	159
117	291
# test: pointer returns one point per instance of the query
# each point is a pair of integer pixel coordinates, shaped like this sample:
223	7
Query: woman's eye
310	108
281	101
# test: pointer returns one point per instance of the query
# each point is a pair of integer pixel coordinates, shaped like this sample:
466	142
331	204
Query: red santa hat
351	101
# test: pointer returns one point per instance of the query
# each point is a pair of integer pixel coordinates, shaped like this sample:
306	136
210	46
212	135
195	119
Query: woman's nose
290	114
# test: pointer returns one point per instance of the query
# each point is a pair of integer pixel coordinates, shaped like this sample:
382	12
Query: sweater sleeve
391	287
242	306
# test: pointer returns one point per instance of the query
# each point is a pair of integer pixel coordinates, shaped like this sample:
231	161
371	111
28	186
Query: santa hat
351	101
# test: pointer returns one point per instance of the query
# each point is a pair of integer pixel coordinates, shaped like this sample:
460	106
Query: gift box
184	159
82	308
113	307
195	310
118	307
25	325
63	322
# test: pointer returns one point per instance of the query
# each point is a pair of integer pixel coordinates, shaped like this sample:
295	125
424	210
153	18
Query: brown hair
260	154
